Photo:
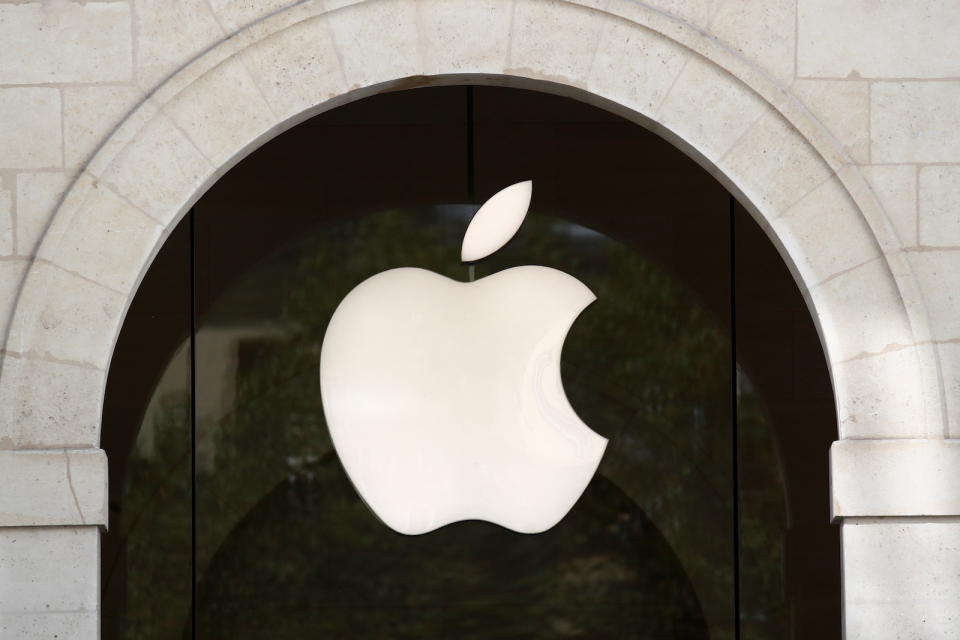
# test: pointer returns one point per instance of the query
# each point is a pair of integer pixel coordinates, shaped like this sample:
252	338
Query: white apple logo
444	399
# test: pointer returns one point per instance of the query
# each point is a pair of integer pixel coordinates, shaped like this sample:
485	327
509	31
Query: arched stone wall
665	73
659	71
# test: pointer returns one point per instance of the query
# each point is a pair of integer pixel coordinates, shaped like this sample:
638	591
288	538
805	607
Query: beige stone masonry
896	187
844	108
450	49
296	69
761	31
545	42
900	578
169	34
376	41
30	133
158	172
52	487
35	382
933	268
915	122
65	41
939	209
895	478
656	64
89	111
233	15
789	169
12	271
236	118
6	216
49	581
878	38
38	194
950	359
892	394
835	124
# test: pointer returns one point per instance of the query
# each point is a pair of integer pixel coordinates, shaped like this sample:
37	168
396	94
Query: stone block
90	114
449	48
939	206
49	569
30	127
826	233
915	122
170	34
635	68
234	14
223	113
774	165
901	578
297	68
878	38
376	41
888	395
555	41
106	240
938	274
77	325
896	477
896	620
763	32
75	625
11	275
708	109
843	106
53	487
950	366
37	197
6	216
159	170
47	404
896	188
695	12
45	42
861	313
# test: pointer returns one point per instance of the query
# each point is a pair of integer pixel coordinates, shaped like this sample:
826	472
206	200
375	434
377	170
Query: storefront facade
835	127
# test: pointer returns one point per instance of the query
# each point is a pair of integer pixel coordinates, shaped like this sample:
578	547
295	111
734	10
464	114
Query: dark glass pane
790	553
648	365
146	571
286	546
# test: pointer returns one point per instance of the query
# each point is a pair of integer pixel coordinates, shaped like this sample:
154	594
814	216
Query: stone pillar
52	509
899	503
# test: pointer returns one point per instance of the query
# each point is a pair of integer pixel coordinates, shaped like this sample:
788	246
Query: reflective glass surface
679	535
146	556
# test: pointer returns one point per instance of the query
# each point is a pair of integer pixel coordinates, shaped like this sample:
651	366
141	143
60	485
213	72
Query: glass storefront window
236	518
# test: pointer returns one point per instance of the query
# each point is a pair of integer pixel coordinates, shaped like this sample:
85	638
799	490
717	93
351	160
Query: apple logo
444	399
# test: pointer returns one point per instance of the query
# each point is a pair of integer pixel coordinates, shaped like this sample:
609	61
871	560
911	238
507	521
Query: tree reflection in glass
285	543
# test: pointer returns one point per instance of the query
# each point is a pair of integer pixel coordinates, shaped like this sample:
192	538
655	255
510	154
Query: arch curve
621	55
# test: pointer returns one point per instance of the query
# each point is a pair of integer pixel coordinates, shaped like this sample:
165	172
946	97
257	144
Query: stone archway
654	69
629	58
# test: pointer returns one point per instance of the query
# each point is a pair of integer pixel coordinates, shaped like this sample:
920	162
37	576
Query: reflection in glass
650	542
284	547
146	556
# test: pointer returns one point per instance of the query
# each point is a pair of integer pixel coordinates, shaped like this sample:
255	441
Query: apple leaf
497	221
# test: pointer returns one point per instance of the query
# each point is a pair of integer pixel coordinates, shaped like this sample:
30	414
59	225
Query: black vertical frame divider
471	147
